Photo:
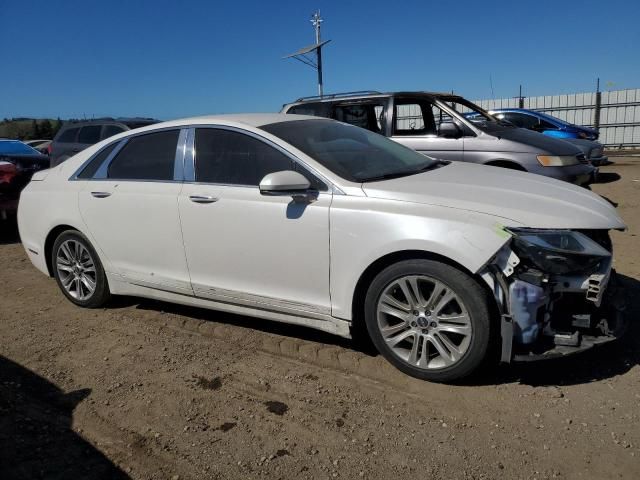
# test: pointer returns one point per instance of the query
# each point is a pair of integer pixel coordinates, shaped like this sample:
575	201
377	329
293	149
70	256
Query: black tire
474	298
101	294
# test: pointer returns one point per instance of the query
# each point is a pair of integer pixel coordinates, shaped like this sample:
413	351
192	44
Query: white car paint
259	255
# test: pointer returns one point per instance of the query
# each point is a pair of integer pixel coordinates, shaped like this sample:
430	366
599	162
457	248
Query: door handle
203	198
101	194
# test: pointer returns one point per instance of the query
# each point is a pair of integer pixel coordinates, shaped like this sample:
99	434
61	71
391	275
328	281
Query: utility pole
596	110
301	55
316	20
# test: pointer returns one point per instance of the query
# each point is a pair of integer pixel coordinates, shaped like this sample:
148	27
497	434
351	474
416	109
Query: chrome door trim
261	302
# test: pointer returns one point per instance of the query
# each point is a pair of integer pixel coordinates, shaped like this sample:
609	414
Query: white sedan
314	222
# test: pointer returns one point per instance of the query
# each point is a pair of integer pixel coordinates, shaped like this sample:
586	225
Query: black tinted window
69	136
227	157
89	134
111	130
92	167
314	109
362	115
146	157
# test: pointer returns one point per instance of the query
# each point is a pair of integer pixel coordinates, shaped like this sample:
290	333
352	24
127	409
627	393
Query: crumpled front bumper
556	318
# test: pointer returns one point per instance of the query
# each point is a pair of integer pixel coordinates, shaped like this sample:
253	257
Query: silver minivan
448	127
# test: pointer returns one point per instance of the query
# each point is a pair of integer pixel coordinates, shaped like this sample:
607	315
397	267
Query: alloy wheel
76	269
424	322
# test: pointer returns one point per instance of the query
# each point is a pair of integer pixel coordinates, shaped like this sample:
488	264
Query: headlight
557	161
557	251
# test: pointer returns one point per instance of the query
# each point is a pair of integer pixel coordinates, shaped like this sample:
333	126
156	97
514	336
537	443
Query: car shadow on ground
599	363
9	231
36	438
607	177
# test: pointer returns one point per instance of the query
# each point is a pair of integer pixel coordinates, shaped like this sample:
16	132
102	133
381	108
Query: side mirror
449	130
286	182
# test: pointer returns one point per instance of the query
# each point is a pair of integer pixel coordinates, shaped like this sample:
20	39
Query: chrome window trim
189	156
331	187
178	162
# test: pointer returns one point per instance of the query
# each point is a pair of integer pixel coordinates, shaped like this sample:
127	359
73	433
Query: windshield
15	147
353	153
480	118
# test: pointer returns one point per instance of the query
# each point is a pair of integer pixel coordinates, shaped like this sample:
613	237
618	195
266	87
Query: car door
130	206
242	247
416	125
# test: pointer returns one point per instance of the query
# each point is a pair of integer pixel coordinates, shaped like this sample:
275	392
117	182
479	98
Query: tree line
29	128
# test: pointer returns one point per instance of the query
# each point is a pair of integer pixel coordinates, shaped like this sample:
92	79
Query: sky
172	59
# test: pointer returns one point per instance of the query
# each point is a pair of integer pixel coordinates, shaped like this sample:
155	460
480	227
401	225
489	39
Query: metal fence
616	114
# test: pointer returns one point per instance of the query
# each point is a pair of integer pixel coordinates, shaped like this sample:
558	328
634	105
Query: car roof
110	121
249	119
335	97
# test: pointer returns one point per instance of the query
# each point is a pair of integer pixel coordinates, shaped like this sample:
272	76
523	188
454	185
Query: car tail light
49	149
7	171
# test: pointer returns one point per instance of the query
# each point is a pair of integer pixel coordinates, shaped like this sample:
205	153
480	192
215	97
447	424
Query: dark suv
446	126
74	137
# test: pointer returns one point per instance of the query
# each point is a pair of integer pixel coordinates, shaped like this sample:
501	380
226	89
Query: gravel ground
150	390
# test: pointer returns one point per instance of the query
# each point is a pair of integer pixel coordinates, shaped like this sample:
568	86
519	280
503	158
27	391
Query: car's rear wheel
429	319
78	271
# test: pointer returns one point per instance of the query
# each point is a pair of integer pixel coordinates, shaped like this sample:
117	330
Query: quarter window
146	157
92	167
314	109
89	134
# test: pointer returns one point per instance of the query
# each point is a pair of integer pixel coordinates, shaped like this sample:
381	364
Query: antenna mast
301	55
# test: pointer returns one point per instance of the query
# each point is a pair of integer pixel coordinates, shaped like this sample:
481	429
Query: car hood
516	198
536	142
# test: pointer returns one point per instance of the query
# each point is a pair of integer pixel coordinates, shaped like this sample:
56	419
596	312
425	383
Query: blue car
582	137
545	124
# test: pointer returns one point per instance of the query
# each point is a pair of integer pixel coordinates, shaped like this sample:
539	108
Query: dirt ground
150	390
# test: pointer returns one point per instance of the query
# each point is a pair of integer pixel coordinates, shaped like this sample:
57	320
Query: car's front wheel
78	271
429	319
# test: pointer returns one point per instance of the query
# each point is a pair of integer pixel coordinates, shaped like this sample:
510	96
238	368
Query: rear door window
89	134
69	135
363	115
146	157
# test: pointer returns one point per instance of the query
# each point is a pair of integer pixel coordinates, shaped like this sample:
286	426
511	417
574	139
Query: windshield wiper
405	173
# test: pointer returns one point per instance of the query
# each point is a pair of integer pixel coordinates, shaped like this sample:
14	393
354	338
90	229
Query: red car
18	162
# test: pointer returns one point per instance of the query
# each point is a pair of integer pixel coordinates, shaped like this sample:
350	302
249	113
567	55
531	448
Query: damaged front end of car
556	292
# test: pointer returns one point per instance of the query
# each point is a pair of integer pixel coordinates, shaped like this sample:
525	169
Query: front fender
364	230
